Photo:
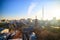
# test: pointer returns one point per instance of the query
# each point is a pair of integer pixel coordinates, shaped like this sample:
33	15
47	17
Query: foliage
4	25
45	34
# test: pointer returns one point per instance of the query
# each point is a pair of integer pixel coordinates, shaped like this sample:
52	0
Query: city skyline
16	9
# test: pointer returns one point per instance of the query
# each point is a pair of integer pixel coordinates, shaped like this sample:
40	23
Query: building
36	22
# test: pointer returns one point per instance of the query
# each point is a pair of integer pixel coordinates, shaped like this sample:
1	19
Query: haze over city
29	19
29	9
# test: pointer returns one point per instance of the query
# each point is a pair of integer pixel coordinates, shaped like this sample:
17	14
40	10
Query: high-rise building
36	22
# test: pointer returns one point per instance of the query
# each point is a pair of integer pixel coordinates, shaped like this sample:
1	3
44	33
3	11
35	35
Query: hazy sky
16	9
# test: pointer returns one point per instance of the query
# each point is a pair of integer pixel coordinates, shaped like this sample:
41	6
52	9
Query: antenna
36	17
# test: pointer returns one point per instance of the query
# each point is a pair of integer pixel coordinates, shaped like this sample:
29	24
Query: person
25	36
32	36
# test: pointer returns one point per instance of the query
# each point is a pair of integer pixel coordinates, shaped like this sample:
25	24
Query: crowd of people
18	34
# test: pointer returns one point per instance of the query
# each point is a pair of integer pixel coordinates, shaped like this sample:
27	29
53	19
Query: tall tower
42	18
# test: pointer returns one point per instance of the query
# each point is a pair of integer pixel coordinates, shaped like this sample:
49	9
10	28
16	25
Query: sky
17	9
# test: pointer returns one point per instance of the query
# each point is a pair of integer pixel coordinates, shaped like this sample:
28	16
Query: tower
36	22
